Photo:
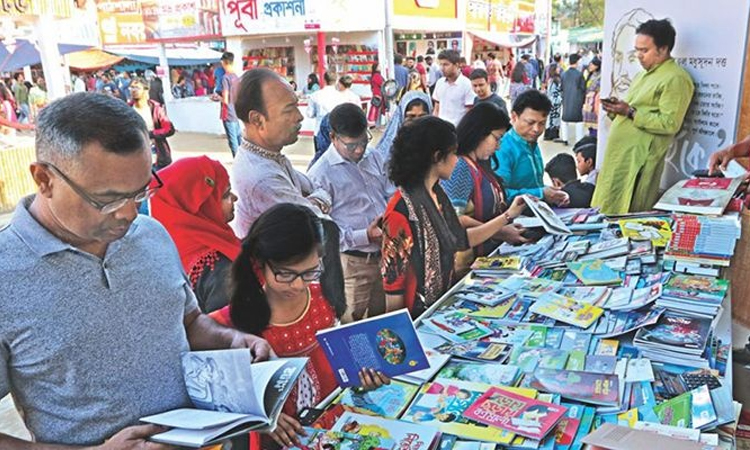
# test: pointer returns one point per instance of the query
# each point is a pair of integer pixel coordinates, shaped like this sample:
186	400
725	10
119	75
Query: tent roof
92	59
505	39
175	56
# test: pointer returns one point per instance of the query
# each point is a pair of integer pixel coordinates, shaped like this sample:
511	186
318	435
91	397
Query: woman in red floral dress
276	295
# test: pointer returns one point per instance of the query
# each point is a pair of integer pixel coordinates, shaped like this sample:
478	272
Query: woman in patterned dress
421	231
276	295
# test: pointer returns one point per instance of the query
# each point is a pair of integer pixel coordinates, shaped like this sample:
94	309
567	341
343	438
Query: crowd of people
267	255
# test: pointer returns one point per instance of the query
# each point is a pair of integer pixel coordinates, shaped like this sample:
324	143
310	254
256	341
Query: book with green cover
675	411
494	374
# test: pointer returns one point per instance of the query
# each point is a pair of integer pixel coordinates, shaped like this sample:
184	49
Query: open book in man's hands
231	397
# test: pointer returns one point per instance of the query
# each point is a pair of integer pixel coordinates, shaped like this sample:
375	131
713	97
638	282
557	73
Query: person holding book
276	295
473	189
93	292
562	171
720	159
195	205
519	158
421	230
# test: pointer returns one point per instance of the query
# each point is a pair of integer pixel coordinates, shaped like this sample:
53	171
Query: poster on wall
710	45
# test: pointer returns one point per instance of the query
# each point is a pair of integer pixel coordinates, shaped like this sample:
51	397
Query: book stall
16	154
613	332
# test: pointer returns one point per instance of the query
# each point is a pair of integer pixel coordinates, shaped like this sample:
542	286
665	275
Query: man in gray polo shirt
96	309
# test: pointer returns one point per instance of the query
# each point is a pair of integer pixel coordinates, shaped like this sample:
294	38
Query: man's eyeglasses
353	146
288	276
109	207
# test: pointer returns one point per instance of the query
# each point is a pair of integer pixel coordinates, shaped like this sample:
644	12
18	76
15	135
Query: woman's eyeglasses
289	276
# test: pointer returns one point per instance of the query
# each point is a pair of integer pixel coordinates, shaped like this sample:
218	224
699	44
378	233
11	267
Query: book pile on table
703	241
546	342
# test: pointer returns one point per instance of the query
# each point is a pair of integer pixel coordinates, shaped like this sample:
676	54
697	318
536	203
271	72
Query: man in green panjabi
644	124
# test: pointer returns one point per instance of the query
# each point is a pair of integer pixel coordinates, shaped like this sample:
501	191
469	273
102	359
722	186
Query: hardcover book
515	413
699	195
387	343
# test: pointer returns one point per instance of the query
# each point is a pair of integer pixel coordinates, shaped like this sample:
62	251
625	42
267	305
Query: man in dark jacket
573	95
562	171
155	116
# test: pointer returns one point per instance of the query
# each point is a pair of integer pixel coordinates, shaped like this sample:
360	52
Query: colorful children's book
697	288
485	291
594	272
592	295
338	440
456	327
566	309
658	231
497	264
676	333
675	411
702	412
529	286
576	340
515	413
387	343
389	400
442	404
514	335
607	347
482	351
584	428
593	388
497	311
493	374
407	436
699	195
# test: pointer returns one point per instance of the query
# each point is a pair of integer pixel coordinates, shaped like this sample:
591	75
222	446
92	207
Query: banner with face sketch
710	45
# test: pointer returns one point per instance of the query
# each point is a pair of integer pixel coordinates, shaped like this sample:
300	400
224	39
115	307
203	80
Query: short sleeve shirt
89	345
453	98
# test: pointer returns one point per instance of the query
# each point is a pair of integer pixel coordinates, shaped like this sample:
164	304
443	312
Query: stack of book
676	339
694	295
703	240
700	195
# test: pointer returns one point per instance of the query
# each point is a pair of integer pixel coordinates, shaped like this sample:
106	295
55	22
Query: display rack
354	60
278	59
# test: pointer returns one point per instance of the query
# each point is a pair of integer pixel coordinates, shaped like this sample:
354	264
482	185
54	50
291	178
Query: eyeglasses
352	146
497	138
288	276
110	207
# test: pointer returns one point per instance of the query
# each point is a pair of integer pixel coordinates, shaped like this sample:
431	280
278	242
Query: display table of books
602	336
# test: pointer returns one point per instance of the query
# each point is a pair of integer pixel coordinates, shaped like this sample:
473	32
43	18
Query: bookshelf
355	60
278	59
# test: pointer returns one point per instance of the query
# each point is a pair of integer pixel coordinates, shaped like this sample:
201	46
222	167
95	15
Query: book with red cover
515	413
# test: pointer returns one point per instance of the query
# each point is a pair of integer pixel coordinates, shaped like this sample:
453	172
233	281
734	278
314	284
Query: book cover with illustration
594	272
337	440
592	295
442	404
515	413
675	411
708	196
485	291
594	388
529	358
513	334
566	429
493	374
456	327
529	286
676	333
387	343
567	310
550	221
702	411
482	351
692	287
498	311
497	263
658	231
389	400
407	436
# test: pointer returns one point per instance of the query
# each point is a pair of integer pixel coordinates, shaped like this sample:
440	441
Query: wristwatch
631	113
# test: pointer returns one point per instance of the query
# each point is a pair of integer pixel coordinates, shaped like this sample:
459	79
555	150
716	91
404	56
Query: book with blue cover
387	343
594	272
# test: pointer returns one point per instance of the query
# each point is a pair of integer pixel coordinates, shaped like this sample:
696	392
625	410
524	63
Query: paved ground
193	144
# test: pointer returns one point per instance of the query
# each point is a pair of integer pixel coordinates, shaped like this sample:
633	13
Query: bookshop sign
707	47
242	17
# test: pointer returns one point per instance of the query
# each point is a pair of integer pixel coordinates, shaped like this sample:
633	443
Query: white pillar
50	55
387	64
166	81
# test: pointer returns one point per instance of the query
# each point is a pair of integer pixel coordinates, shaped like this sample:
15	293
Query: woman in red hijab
195	206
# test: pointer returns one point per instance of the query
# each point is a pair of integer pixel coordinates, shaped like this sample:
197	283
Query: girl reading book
276	294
